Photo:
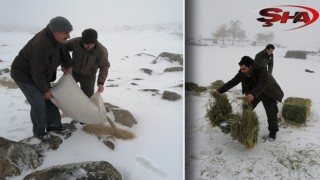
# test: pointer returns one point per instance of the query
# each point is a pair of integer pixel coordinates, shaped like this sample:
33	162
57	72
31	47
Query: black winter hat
89	36
246	60
60	24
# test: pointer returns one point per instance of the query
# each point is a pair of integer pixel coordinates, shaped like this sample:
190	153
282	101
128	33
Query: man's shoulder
101	47
74	40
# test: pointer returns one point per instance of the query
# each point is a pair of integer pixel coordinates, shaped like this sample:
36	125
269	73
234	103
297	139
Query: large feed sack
70	99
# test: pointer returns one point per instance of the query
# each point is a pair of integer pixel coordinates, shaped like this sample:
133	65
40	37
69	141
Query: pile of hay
191	86
217	84
242	127
106	131
220	110
296	54
245	128
296	110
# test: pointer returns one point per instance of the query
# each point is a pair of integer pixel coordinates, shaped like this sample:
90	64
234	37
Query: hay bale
296	110
296	54
191	86
217	84
220	110
245	128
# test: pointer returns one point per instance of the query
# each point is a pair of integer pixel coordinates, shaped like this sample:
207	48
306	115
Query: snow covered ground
157	150
211	154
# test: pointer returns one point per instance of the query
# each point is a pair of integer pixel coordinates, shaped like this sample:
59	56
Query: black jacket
260	82
39	59
264	60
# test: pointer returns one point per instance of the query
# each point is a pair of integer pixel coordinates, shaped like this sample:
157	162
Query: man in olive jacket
265	58
89	55
258	85
35	67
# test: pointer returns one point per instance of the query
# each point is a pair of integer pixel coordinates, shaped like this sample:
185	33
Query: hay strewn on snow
103	130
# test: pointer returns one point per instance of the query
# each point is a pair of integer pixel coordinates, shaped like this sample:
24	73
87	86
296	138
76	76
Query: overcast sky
91	13
205	16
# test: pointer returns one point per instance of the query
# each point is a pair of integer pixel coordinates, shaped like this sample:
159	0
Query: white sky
205	16
91	13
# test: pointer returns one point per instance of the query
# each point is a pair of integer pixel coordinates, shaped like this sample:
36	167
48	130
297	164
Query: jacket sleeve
270	65
39	63
230	84
104	66
258	59
262	81
66	59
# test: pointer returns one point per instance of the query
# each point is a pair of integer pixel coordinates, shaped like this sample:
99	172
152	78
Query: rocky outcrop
171	57
124	117
16	157
85	170
173	69
171	96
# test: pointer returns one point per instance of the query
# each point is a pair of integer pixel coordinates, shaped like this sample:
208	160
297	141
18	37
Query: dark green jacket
39	59
87	62
264	60
260	82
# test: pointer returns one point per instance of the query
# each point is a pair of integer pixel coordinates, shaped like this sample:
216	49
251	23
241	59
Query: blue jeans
43	112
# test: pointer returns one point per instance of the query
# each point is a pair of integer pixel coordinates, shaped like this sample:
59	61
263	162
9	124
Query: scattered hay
296	110
103	130
8	84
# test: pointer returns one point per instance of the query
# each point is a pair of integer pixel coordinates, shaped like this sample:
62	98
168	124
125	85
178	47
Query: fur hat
60	24
89	36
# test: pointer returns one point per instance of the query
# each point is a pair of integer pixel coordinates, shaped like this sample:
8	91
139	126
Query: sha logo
303	14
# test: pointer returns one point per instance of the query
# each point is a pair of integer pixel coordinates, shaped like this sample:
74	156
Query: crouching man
258	85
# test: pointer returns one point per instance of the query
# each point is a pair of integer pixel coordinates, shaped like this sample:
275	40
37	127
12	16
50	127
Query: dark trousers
271	108
43	112
86	83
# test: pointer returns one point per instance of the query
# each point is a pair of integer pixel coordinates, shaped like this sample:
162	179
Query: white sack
70	99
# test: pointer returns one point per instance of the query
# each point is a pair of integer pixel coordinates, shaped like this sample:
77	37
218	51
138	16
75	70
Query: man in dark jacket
265	58
258	85
35	67
89	55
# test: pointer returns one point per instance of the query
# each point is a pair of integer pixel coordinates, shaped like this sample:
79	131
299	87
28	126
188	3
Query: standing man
35	67
265	58
258	85
89	55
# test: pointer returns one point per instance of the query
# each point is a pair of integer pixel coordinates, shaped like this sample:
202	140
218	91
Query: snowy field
157	150
211	154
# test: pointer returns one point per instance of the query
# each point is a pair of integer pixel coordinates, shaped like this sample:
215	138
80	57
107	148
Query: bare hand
47	95
100	88
250	97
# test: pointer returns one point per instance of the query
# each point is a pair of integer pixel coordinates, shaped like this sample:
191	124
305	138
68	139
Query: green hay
296	110
216	85
245	128
190	86
242	127
220	110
